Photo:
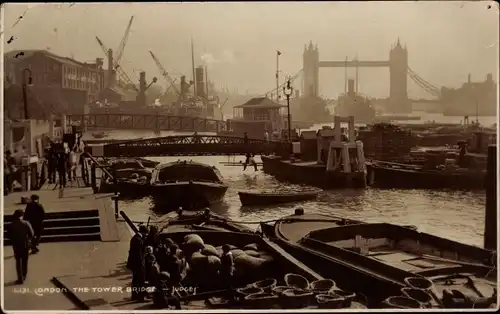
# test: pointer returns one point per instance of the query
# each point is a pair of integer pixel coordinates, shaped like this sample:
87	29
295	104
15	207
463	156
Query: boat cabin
185	171
257	116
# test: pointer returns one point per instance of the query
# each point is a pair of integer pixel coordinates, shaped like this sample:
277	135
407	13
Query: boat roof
184	163
260	102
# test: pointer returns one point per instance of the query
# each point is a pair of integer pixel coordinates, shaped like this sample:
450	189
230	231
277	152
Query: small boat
396	175
267	198
187	184
380	259
100	134
132	178
129	188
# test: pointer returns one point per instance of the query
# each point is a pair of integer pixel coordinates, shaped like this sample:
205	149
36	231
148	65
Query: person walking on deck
35	215
136	263
20	233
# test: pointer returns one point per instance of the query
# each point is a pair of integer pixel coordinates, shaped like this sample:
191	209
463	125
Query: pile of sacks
205	258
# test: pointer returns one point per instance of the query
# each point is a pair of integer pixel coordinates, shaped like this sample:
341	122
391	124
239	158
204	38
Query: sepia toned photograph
250	156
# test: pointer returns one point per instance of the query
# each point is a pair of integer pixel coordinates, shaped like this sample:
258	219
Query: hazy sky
446	40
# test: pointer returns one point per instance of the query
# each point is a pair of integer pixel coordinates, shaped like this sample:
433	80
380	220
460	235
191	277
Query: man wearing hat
136	264
20	233
35	214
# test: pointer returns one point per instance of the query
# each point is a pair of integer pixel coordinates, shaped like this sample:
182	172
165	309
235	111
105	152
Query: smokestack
99	63
350	87
141	97
206	81
468	78
111	70
297	93
200	82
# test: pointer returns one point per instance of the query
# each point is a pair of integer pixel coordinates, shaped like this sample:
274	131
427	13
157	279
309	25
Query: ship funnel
200	82
350	87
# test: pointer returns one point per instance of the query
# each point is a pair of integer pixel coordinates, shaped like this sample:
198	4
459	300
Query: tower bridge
397	64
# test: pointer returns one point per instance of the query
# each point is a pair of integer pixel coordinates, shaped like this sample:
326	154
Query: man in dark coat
20	233
61	164
136	263
35	214
51	163
10	170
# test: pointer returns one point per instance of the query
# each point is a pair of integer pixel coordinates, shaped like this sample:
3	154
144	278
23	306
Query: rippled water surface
454	215
450	214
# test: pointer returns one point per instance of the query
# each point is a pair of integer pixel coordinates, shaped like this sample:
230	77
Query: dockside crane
165	75
121	46
119	53
123	76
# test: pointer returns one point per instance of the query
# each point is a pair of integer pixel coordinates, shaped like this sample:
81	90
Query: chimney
99	62
111	70
200	82
297	93
141	96
468	78
350	87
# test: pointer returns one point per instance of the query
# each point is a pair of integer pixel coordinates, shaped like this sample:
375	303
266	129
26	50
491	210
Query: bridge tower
398	70
310	69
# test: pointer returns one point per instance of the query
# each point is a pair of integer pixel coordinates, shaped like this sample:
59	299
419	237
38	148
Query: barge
339	161
380	260
186	184
265	276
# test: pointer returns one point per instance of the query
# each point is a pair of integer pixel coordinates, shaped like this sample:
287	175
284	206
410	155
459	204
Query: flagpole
277	74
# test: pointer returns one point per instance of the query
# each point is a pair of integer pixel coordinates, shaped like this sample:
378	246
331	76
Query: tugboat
355	105
186	184
338	159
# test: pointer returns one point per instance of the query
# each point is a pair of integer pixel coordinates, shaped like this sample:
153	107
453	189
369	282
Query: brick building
59	84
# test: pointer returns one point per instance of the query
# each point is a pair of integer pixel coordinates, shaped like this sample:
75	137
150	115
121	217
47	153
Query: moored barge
382	259
187	184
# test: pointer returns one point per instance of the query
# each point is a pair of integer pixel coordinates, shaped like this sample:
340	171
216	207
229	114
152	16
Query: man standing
9	164
61	167
20	233
136	263
227	267
35	214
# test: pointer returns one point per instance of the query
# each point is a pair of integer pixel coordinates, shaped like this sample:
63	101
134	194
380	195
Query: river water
450	214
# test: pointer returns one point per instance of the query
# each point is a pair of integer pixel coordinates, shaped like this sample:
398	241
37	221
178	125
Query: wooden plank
292	259
107	221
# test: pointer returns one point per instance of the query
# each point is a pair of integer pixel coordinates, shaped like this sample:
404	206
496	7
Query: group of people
163	266
155	264
62	162
10	171
25	232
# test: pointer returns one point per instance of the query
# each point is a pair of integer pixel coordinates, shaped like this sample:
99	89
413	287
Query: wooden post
93	178
490	219
116	198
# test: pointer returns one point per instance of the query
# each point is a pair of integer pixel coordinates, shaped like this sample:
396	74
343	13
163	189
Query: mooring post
93	178
490	216
116	198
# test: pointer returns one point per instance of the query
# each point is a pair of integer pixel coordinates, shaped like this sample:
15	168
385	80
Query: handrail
98	165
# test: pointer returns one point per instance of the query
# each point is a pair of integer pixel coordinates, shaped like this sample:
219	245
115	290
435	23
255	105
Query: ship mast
345	77
206	82
357	73
192	65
